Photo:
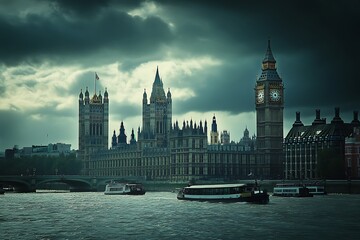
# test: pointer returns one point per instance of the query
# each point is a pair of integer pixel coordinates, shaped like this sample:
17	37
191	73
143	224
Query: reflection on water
159	215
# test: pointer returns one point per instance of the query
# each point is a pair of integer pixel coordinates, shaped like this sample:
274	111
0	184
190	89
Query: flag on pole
96	76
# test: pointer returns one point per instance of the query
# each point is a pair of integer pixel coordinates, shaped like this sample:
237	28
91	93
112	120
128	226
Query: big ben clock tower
269	100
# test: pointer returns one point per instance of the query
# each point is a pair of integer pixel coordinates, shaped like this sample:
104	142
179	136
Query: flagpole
95	82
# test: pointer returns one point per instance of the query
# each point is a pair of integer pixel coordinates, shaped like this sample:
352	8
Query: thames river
159	215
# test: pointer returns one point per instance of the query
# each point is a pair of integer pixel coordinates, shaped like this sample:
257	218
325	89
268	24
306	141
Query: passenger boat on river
316	189
224	193
291	190
115	188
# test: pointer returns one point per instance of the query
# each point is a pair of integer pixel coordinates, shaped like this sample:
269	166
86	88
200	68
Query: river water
159	215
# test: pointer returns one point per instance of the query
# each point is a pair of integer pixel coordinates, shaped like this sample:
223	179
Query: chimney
298	122
317	120
355	121
337	118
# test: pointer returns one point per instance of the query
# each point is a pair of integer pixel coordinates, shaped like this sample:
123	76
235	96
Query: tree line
41	165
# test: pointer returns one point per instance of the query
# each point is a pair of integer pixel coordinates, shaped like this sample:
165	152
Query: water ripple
159	215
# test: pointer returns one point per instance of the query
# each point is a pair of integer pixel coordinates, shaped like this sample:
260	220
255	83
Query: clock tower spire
269	101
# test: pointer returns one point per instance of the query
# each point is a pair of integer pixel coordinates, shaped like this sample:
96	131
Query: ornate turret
122	135
214	135
144	97
87	98
205	127
106	96
214	125
168	94
132	140
81	96
114	142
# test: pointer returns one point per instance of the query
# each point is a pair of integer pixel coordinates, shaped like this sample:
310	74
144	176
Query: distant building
248	143
50	150
12	152
180	154
304	144
225	137
352	154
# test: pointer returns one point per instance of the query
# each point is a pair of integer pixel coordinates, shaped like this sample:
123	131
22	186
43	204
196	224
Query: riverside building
304	146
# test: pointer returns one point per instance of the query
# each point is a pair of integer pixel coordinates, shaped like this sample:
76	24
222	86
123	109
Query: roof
158	89
268	55
319	131
269	74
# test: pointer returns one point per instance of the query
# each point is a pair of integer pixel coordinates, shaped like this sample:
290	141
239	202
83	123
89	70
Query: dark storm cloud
314	42
12	132
85	8
22	129
53	37
230	89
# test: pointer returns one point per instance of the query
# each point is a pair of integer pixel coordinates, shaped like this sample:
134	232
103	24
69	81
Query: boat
291	190
316	188
116	188
224	193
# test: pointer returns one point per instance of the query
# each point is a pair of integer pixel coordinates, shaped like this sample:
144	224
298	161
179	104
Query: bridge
76	183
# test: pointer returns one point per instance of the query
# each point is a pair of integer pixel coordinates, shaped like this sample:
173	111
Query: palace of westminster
181	151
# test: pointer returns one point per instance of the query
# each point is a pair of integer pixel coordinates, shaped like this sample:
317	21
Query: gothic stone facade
93	126
176	153
166	152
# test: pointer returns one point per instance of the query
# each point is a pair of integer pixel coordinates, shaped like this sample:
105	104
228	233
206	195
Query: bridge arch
19	185
76	185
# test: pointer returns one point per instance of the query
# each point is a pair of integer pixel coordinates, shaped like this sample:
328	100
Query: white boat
291	190
316	189
116	188
224	193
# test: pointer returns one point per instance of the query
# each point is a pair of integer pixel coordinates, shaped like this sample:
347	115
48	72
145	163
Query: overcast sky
209	54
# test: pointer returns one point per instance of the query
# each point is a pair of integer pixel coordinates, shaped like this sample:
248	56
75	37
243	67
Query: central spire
158	92
157	77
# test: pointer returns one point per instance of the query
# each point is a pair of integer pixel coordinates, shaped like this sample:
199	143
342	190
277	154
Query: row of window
352	149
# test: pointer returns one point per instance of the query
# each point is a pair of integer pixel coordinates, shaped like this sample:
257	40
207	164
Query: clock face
260	96
275	95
